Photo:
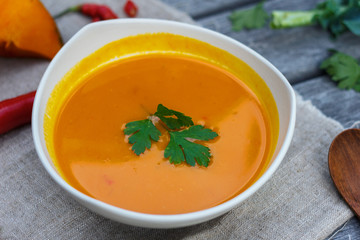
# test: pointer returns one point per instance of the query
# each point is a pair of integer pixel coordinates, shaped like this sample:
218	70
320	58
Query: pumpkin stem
68	10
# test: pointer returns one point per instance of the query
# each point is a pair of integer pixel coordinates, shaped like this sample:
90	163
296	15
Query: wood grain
344	166
341	105
296	52
201	8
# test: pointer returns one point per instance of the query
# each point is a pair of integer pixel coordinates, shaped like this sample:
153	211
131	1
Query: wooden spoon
344	165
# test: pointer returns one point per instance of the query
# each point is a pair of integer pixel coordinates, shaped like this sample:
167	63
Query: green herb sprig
183	133
343	69
335	16
250	18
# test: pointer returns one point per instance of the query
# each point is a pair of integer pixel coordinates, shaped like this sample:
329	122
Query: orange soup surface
93	154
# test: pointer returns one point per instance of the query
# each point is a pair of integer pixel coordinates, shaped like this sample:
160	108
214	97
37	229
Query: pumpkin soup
91	151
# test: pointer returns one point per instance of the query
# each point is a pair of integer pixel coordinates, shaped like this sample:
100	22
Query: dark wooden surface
297	53
344	164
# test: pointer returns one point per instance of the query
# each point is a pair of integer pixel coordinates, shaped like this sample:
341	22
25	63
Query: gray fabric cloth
299	201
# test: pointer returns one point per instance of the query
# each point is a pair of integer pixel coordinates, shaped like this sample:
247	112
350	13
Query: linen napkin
298	202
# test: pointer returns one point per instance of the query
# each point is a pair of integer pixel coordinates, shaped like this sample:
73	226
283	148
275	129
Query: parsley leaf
181	149
181	146
166	115
352	18
141	134
335	16
251	18
343	69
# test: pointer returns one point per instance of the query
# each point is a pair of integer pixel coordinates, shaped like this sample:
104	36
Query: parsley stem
182	146
145	109
161	123
288	19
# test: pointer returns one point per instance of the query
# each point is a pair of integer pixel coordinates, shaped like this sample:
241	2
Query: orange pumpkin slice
27	30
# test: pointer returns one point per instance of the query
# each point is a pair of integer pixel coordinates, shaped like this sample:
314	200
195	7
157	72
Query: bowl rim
158	220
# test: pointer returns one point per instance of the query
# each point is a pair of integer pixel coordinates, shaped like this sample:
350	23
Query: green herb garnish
335	16
181	149
141	134
251	18
343	69
167	116
183	134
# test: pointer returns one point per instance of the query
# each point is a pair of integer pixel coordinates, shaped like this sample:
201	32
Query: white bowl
96	35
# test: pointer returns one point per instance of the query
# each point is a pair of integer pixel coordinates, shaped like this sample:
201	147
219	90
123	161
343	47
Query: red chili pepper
97	12
16	111
95	19
105	12
130	8
88	9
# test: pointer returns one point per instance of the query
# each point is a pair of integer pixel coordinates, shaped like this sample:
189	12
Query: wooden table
297	53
